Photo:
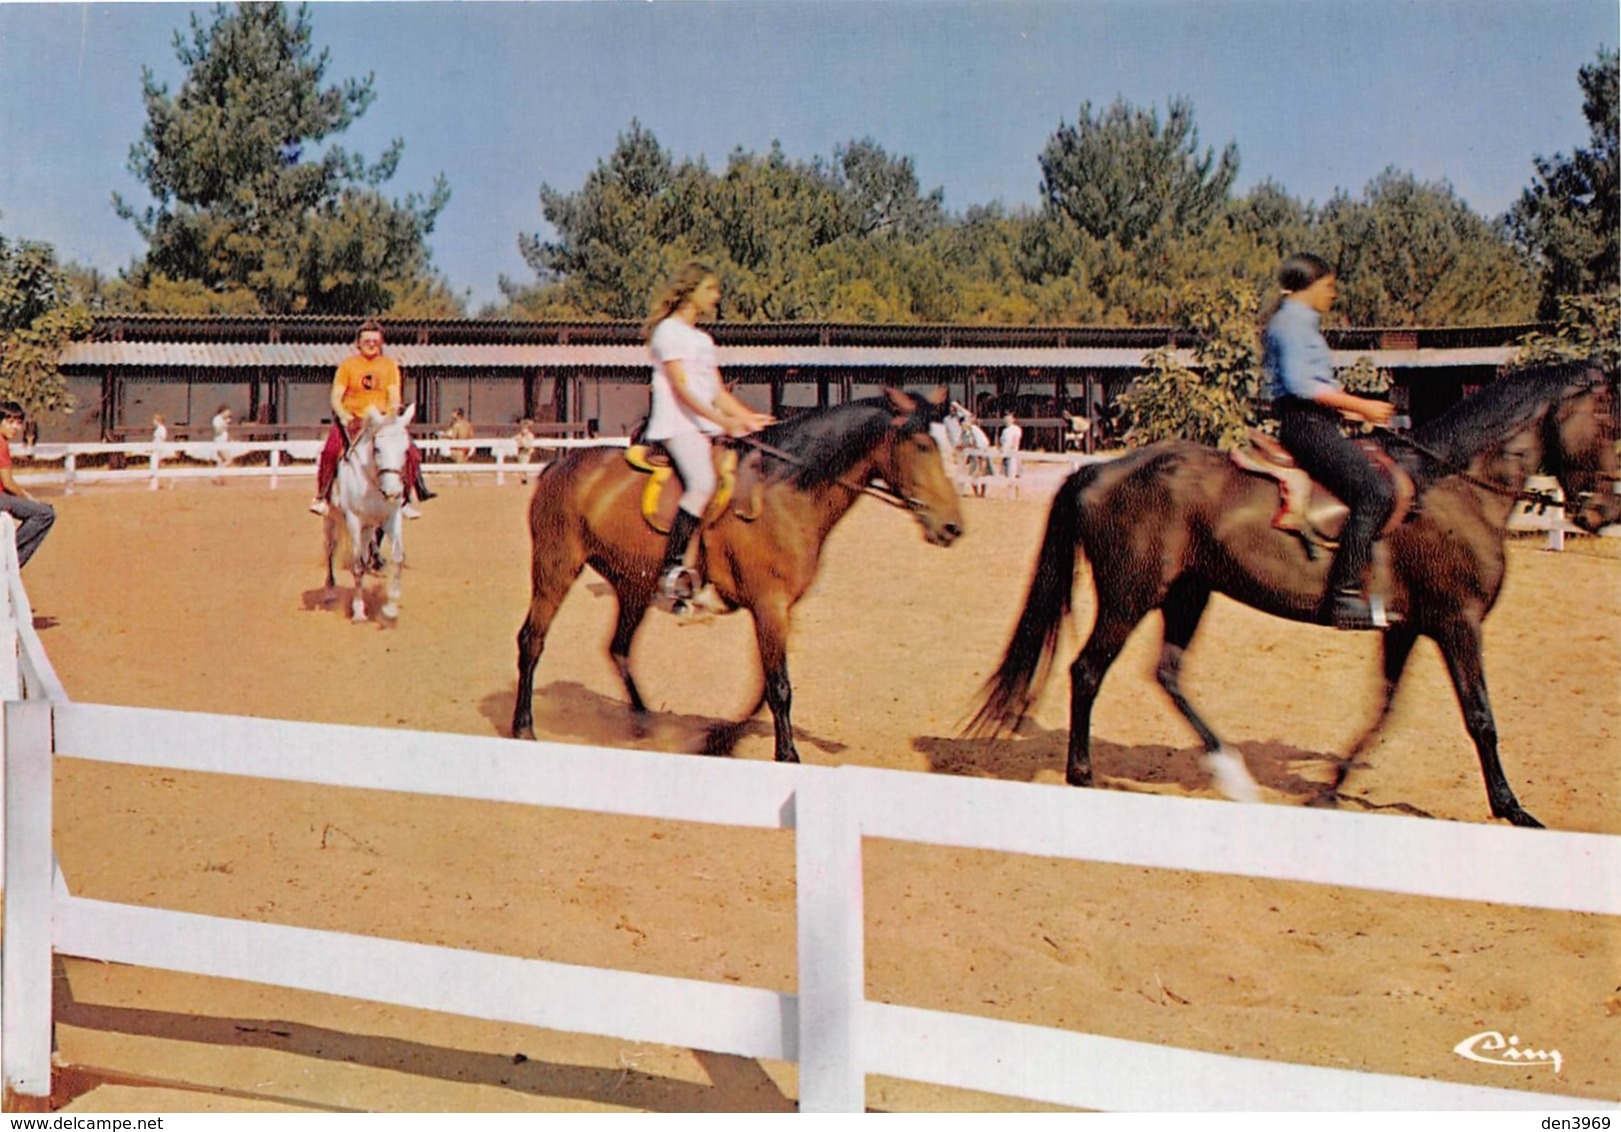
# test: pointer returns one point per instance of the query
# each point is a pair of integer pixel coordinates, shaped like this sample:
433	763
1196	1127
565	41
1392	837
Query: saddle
1309	509
740	483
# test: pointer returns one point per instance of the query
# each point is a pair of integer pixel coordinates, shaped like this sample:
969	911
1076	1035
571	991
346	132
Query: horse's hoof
523	732
1231	777
391	612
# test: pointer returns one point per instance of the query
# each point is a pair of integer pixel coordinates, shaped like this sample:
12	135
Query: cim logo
1490	1047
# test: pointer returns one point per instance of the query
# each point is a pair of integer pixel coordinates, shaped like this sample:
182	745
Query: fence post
832	945
275	467
25	982
70	470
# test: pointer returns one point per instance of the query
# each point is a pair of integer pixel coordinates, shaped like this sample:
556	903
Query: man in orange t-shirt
366	380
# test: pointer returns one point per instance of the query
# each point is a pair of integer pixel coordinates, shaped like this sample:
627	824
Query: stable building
584	378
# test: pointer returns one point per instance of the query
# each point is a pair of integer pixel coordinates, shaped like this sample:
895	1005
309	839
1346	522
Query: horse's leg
631	613
396	564
1397	646
357	567
1460	648
1086	675
771	634
329	541
557	562
1183	607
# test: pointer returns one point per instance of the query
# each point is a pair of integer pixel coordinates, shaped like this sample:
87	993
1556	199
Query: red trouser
327	470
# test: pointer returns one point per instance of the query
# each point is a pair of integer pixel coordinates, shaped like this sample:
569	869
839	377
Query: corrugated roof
304	355
289	355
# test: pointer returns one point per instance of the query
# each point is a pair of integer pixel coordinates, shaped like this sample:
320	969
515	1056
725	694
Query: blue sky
503	97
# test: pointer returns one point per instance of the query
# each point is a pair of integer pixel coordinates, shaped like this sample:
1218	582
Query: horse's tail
1017	681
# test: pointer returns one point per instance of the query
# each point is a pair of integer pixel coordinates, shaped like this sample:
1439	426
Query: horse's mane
827	442
1501	410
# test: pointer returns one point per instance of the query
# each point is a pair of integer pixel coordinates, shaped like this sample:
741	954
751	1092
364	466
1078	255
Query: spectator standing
160	446
1008	444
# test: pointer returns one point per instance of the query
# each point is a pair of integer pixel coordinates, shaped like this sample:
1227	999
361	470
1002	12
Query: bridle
882	494
1542	500
378	470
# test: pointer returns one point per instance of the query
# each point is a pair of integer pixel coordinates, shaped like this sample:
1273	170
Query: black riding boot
421	489
1349	608
675	581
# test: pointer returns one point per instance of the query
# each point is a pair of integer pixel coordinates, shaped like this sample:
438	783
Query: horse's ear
410	413
902	402
936	396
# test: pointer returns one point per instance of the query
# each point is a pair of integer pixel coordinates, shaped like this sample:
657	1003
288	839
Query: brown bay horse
1167	526
586	510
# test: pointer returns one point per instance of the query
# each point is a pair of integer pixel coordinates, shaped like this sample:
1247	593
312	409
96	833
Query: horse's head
911	464
1579	450
390	441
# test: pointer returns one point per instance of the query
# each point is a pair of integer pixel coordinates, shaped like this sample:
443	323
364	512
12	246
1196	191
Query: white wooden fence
155	464
829	1027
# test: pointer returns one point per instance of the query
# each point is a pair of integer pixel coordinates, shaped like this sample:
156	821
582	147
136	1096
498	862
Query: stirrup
678	584
1350	611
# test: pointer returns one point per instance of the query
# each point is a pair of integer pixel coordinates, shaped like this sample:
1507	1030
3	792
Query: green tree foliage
1411	253
39	315
1213	400
1570	216
635	217
885	194
251	197
1137	226
1124	175
796	240
1587	326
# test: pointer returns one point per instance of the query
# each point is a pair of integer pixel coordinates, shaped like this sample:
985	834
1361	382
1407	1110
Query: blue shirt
1294	355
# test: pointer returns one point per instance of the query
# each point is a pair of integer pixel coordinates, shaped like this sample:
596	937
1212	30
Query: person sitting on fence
1008	445
34	519
1078	427
525	438
366	380
222	439
460	429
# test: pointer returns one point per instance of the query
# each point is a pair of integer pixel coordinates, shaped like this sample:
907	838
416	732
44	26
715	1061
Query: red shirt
5	461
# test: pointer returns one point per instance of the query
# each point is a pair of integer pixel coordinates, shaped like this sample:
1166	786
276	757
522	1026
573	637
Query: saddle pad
662	492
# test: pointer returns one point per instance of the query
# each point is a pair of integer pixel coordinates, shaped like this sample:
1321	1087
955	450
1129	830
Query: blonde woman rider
691	404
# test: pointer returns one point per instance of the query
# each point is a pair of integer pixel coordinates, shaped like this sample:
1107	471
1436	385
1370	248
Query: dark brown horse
586	510
1167	526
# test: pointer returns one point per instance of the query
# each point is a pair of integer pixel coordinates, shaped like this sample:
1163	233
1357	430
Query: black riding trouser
1311	433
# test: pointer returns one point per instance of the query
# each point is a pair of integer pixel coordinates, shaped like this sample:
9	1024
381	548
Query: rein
351	446
884	495
1542	500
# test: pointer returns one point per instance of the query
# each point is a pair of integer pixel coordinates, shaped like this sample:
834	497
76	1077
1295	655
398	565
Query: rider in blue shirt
1309	402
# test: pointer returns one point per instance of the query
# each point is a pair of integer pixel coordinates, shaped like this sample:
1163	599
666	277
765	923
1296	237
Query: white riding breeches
695	463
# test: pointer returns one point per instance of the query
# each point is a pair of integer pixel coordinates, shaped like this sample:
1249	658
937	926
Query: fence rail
828	1025
142	460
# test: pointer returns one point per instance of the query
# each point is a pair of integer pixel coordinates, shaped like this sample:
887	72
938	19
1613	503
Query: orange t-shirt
366	383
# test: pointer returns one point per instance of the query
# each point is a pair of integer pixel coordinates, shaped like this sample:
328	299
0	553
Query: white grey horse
366	499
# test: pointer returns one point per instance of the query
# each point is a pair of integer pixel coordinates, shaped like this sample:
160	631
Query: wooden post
25	982
832	953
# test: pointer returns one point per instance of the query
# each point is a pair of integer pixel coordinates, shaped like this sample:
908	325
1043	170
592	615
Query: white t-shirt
222	425
1012	437
674	340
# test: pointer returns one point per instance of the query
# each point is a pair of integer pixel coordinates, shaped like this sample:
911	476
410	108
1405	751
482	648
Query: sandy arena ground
208	599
